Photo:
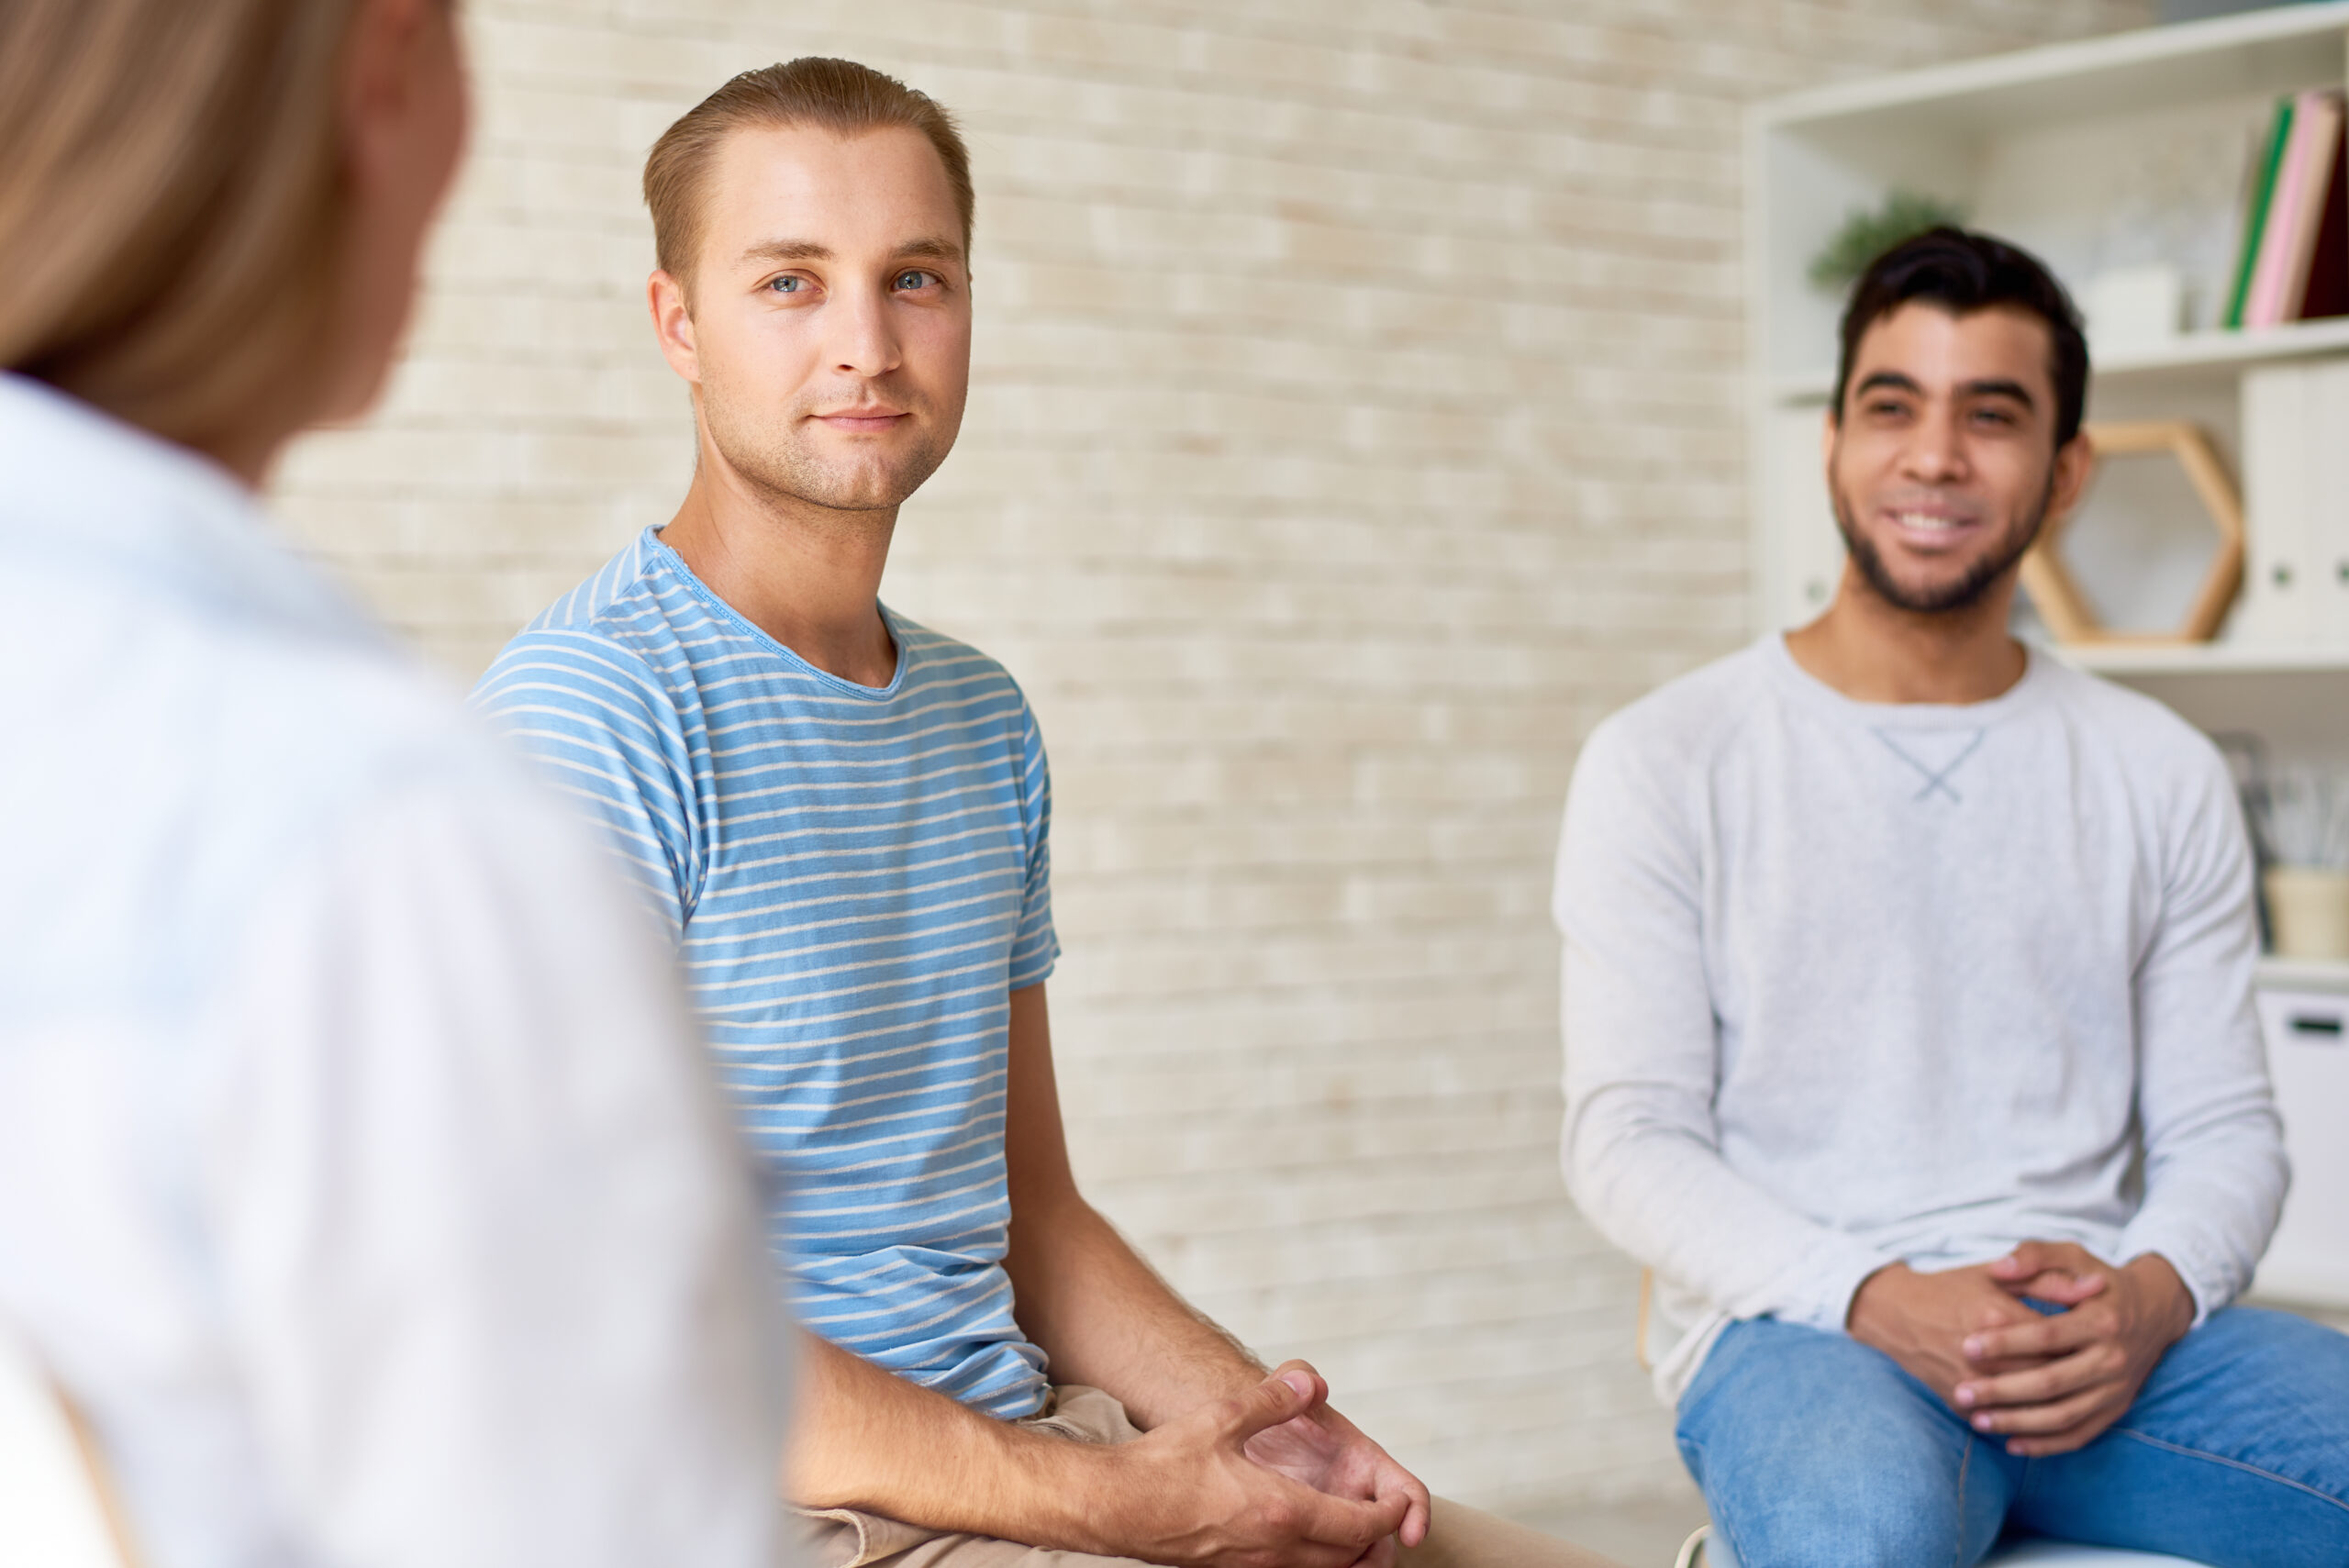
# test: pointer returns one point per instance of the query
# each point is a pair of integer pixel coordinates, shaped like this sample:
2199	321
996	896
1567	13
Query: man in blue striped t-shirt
841	818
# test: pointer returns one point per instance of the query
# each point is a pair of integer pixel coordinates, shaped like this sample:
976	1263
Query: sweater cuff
2213	1283
1817	1291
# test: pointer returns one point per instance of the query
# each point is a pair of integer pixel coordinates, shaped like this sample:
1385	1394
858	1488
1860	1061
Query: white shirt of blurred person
361	1179
813	221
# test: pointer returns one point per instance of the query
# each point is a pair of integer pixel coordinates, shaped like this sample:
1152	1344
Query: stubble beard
773	457
1965	592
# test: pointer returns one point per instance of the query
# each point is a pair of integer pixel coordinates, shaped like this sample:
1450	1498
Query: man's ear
2075	466
673	325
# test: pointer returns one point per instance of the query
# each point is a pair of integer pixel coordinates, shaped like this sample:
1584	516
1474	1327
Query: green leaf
1866	235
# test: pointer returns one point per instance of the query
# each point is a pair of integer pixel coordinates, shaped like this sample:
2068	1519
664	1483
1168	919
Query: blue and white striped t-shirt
856	878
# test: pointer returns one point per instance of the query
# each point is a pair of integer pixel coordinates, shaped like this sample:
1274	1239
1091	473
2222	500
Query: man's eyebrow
1887	380
932	249
1997	387
926	248
787	251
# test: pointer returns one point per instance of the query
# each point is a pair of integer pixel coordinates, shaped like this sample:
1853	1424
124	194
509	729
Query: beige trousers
844	1538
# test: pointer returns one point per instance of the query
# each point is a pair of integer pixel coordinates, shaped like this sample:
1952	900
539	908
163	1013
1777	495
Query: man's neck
808	576
1872	651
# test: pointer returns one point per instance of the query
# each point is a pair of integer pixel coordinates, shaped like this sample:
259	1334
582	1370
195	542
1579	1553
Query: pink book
2316	186
2273	275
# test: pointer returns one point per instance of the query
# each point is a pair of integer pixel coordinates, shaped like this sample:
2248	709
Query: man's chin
1937	592
867	482
1930	586
865	490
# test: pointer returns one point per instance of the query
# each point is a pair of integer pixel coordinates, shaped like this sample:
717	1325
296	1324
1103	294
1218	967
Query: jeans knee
1831	1532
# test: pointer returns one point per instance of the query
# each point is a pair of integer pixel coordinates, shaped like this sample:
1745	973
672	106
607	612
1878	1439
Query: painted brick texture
1355	421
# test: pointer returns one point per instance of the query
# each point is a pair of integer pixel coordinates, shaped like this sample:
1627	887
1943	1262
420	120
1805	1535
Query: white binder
2296	503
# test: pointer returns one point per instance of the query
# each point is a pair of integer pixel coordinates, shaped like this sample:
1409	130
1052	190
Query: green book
2254	223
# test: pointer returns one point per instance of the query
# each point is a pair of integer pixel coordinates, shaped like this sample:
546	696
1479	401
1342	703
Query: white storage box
2308	1054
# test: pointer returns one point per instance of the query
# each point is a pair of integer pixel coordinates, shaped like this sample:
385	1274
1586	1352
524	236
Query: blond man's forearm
863	1438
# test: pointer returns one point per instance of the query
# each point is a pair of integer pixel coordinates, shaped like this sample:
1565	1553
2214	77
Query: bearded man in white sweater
1909	1027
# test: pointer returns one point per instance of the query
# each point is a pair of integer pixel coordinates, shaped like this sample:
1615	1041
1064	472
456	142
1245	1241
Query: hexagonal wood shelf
2056	593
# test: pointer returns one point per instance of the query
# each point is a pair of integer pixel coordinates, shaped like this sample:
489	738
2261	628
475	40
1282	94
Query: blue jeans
1813	1448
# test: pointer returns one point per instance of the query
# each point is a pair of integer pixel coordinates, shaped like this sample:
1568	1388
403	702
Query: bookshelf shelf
2124	658
2304	974
2260	51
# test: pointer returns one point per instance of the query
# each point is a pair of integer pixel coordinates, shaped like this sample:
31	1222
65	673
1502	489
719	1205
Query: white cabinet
2307	1056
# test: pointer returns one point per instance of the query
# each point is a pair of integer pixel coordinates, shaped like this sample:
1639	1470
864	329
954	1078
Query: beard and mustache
1967	589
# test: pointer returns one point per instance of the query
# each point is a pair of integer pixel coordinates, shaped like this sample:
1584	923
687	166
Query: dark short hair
1964	272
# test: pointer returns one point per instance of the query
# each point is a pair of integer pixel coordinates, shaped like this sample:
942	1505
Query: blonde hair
838	96
171	200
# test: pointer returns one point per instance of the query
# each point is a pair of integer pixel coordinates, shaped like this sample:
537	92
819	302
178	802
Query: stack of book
2293	264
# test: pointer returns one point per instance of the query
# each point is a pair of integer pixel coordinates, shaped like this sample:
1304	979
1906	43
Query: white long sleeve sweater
1849	982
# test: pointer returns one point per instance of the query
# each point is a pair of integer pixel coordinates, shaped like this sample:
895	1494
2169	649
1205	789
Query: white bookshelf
2125	660
2109	153
2101	154
2106	153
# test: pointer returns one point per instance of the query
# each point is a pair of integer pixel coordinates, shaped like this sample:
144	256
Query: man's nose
863	341
1936	451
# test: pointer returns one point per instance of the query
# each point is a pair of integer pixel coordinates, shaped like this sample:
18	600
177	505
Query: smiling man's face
829	338
1945	464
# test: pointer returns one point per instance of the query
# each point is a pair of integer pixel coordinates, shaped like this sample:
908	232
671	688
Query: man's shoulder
2150	741
623	589
1691	718
618	643
952	671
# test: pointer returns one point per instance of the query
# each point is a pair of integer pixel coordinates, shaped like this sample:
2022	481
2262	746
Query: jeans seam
2232	1464
1964	1463
1720	1524
1731	1536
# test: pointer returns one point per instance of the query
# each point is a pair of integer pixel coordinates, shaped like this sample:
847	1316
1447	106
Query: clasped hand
1272	1478
2048	1383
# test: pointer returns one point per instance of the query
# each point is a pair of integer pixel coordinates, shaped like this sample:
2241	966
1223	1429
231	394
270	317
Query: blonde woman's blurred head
211	210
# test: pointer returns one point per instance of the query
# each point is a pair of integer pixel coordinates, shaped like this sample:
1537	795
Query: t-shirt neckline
1789	673
668	556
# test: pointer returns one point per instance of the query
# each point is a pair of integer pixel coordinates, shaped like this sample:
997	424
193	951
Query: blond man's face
827	325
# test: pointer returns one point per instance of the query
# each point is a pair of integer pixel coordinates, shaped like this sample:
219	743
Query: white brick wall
1355	423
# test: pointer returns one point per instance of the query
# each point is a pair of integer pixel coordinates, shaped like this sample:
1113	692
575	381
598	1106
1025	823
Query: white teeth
1924	523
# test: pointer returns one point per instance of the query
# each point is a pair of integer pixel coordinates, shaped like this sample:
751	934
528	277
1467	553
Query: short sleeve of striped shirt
856	879
594	718
1036	949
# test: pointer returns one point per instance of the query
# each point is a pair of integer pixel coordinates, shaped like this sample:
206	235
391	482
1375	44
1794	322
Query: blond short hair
836	95
171	200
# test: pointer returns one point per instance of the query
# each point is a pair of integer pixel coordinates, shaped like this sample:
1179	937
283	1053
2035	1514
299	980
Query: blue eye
787	285
911	279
